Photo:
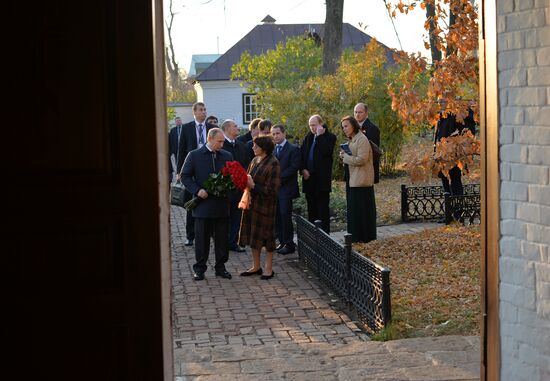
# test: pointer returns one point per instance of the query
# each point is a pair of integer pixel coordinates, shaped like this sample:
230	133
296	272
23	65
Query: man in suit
238	150
289	158
213	120
448	126
264	129
212	213
193	136
317	155
252	131
173	142
361	114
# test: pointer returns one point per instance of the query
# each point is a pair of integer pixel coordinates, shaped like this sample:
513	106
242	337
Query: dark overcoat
198	166
323	153
258	222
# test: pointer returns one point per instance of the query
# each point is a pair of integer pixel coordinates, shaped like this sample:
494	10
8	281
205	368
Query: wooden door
86	205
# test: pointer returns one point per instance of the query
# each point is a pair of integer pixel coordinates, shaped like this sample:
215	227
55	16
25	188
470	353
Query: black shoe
198	276
279	247
248	273
265	277
224	274
237	249
188	242
287	249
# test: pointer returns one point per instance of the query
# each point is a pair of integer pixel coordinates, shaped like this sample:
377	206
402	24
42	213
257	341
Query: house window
249	108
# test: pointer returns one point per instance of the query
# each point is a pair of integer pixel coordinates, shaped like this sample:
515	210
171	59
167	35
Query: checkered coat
258	222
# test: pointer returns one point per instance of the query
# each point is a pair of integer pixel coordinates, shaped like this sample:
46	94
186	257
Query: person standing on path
173	143
211	215
371	131
252	131
258	221
317	156
238	150
193	136
264	129
448	126
289	158
361	206
213	120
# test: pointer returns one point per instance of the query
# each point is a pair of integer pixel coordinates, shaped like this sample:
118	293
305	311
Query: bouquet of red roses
232	176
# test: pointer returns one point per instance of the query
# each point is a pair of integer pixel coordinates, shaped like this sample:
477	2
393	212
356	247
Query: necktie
201	137
310	155
278	150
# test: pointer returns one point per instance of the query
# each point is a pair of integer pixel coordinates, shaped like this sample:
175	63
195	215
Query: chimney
268	20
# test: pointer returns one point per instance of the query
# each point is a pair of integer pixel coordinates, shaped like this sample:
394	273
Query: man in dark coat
361	114
173	142
252	131
317	155
289	158
238	150
448	126
212	213
193	136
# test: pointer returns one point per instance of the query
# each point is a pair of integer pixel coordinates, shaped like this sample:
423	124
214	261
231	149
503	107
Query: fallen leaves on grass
435	280
388	198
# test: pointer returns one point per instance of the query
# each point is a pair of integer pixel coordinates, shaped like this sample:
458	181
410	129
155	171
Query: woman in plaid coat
258	221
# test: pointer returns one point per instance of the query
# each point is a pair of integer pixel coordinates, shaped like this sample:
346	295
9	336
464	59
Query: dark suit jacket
188	141
290	162
249	150
198	166
372	132
321	174
172	149
239	152
245	138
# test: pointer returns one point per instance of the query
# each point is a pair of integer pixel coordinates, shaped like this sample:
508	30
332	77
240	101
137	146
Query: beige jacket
361	170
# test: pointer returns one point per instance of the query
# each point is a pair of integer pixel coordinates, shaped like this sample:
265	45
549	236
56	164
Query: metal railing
361	283
432	203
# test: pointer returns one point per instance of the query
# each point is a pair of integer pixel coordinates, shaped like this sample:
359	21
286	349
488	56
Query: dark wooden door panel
83	205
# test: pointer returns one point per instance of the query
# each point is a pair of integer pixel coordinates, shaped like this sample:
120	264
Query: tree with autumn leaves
451	78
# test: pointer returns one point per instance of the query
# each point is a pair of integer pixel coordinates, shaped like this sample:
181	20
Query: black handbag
177	191
376	151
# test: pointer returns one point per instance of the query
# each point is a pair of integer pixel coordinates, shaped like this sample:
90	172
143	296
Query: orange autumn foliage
454	78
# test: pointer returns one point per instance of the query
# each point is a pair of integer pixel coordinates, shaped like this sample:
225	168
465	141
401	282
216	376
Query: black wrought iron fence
363	284
432	203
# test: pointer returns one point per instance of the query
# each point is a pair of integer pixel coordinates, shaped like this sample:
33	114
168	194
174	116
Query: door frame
490	191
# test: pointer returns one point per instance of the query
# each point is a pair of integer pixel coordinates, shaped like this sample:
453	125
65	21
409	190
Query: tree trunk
455	6
171	63
332	41
430	13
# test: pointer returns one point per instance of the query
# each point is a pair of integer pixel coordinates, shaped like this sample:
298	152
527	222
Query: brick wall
523	28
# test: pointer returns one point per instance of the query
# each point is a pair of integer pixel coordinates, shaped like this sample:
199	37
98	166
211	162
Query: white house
228	99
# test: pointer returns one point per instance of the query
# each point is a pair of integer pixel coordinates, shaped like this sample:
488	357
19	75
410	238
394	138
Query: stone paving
290	327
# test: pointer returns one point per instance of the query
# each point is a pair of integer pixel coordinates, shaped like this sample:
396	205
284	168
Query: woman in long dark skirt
361	210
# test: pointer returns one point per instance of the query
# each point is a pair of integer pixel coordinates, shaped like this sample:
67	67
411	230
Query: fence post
404	206
448	211
386	296
347	253
318	225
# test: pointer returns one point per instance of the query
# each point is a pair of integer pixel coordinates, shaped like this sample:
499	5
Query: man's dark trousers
318	208
283	222
206	228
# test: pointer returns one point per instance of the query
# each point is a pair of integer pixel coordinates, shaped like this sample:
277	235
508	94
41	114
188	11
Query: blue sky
213	26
